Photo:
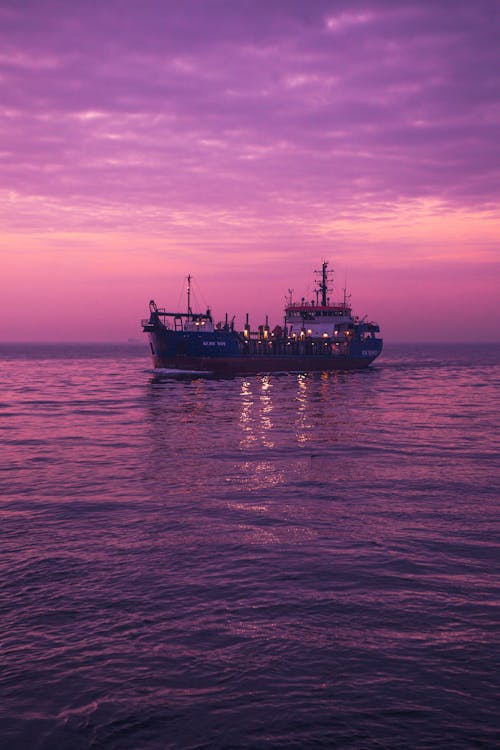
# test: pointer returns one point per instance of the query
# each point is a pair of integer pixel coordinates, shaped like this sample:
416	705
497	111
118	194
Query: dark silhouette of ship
316	335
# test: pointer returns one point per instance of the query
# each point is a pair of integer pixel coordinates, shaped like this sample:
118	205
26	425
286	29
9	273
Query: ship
317	335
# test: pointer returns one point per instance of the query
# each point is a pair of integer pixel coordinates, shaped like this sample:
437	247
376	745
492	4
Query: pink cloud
232	133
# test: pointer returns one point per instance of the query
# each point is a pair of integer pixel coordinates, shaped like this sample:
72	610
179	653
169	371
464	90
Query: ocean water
286	561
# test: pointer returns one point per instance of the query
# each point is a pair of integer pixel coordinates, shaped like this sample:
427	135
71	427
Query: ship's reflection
256	410
250	432
303	421
259	467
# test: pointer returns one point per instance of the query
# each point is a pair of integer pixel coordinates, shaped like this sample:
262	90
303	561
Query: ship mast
190	312
323	284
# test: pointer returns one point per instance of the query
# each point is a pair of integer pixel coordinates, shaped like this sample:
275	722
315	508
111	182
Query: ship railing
280	347
148	322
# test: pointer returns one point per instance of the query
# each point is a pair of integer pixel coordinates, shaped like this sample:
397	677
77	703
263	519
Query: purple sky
243	142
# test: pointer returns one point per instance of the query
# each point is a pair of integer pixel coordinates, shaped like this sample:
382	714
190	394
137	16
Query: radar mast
323	284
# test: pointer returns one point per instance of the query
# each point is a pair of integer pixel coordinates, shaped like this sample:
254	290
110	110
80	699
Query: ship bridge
316	320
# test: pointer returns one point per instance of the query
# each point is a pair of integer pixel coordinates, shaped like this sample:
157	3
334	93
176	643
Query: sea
287	561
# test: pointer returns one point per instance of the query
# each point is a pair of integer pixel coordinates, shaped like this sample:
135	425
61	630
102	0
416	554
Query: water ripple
290	561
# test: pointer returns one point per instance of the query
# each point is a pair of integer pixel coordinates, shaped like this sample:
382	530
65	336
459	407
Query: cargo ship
316	335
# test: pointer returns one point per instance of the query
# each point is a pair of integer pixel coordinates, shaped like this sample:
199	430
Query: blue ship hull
227	352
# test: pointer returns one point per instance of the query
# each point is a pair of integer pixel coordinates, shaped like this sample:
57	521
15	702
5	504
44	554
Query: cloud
248	110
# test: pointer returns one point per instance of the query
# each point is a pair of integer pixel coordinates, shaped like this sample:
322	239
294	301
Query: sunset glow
243	143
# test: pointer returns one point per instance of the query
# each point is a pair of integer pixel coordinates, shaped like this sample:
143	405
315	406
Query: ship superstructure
321	318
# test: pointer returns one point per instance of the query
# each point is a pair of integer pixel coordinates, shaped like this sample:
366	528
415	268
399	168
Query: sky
243	142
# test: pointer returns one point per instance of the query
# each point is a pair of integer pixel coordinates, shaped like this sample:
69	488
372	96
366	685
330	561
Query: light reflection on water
303	425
